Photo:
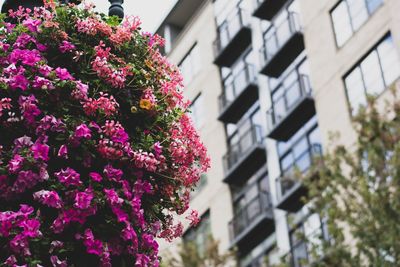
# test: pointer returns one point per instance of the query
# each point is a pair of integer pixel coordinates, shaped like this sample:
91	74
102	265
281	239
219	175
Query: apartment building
270	81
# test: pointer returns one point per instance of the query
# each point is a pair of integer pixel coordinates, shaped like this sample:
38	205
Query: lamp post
115	9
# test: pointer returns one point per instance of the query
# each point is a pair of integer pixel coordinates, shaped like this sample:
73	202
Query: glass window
378	70
191	64
341	23
197	111
349	15
389	60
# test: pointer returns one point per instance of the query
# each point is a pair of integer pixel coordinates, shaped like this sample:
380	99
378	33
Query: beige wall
215	196
329	63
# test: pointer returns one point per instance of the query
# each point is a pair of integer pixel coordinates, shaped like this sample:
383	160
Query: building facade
270	82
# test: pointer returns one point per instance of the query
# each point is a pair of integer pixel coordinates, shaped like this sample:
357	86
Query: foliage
189	255
96	151
358	192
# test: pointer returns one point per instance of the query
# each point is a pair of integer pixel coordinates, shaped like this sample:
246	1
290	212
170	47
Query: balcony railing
290	176
252	223
282	44
267	9
294	106
240	149
242	88
300	253
233	37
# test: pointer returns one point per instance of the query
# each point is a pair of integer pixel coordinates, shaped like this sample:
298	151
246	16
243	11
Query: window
379	69
200	234
306	236
197	111
349	15
190	65
301	152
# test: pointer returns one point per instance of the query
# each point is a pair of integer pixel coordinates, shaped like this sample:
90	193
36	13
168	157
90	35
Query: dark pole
116	8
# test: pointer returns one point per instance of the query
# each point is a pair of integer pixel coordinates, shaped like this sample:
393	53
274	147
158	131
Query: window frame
357	65
185	57
353	30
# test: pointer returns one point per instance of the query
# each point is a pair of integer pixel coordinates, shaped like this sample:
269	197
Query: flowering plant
97	152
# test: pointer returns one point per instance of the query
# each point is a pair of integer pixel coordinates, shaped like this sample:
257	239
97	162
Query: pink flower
194	218
66	46
40	151
63	152
30	228
95	176
48	198
19	82
32	24
82	131
42	83
93	246
63	74
69	177
83	199
15	164
113	197
45	70
56	262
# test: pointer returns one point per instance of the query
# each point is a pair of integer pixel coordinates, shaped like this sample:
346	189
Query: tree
97	153
358	192
189	255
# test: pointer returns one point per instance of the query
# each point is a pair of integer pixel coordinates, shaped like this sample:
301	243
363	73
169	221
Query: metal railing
301	164
229	28
236	86
249	213
277	35
300	253
292	95
238	150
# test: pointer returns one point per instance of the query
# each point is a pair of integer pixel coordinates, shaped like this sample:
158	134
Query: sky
151	12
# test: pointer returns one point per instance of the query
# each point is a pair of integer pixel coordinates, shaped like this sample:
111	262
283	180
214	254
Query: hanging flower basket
97	152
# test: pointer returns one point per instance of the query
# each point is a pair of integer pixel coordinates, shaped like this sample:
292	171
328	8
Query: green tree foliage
358	192
189	255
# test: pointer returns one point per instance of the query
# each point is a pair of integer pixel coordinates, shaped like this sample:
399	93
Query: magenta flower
69	177
83	199
48	198
42	83
56	262
63	152
66	46
95	176
113	197
30	228
82	131
18	82
15	164
32	24
63	74
93	246
40	151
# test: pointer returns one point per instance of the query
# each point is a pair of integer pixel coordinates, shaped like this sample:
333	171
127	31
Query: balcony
239	95
291	110
289	189
252	223
245	157
282	44
267	9
233	37
300	254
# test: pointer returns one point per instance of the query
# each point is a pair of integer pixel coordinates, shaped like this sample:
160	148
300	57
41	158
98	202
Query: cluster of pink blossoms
95	156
